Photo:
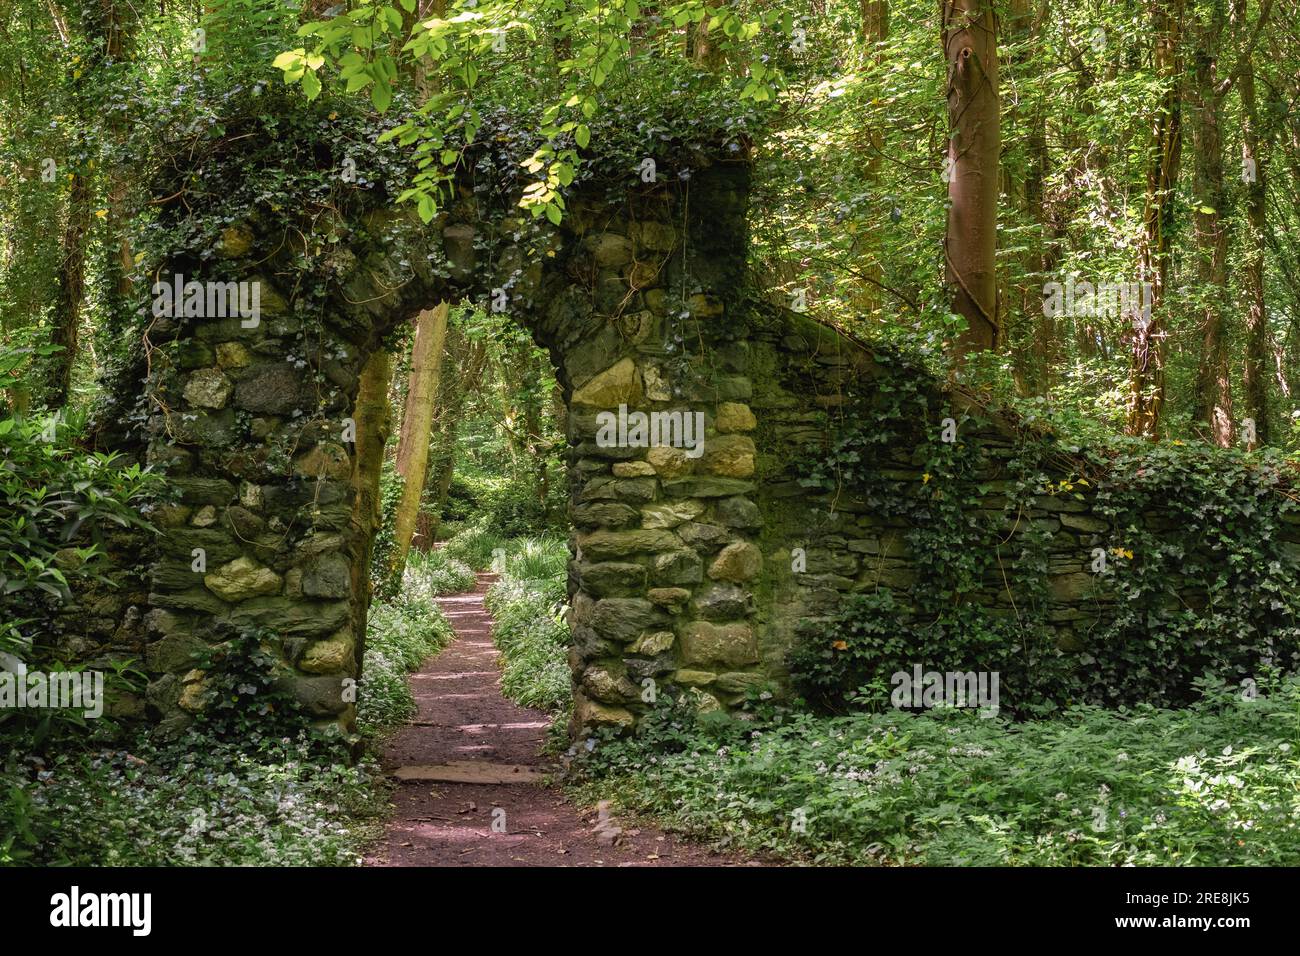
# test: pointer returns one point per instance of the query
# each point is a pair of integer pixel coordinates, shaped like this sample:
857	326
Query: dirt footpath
471	768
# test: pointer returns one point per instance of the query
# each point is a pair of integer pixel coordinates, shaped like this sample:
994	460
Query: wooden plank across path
473	785
471	771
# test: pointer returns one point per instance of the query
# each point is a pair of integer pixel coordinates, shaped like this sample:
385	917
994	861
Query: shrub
509	505
245	700
1214	784
527	606
430	574
475	545
400	636
56	503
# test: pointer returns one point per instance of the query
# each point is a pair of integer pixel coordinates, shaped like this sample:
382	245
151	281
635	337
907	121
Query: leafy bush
527	606
430	574
855	650
400	635
56	503
475	545
508	506
195	801
245	700
1215	784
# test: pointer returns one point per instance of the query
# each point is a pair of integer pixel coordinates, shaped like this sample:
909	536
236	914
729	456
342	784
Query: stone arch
683	570
638	296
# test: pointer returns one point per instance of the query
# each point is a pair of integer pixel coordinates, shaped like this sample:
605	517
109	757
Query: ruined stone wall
682	572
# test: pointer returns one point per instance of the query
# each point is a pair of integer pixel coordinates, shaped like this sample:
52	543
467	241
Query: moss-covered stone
738	561
733	645
242	579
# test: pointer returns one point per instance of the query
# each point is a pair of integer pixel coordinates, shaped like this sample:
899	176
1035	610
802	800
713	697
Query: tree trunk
970	48
1254	372
468	359
1147	374
70	294
868	243
119	37
1213	396
1030	333
373	424
417	424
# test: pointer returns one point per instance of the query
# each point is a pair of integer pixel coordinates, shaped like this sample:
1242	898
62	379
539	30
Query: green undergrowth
527	606
431	574
1215	784
402	634
229	792
475	545
190	802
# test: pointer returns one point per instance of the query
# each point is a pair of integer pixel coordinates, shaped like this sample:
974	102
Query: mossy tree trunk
417	426
373	425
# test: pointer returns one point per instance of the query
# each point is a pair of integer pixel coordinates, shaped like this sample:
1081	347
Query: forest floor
472	779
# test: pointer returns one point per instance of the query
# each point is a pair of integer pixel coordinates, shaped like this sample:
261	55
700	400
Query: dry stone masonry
681	576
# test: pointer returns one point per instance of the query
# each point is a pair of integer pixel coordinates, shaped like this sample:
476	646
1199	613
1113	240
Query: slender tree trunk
417	424
468	359
119	35
71	292
867	294
1254	372
373	423
1213	396
703	49
1147	373
1028	335
970	48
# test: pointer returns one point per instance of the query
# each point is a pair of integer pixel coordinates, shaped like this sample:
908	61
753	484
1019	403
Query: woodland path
470	756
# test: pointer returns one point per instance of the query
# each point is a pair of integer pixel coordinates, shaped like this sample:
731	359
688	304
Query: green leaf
311	85
582	136
381	95
553	213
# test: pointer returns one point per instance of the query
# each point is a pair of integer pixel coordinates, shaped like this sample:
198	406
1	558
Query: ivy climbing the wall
1114	575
